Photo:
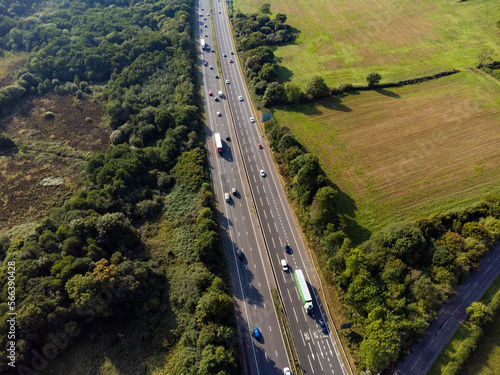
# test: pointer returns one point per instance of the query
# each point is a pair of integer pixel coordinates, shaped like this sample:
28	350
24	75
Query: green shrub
48	115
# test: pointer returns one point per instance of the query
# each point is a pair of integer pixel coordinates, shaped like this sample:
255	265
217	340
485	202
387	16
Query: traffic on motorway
285	256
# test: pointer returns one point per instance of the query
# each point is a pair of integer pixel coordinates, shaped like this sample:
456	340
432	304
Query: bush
373	79
6	141
48	115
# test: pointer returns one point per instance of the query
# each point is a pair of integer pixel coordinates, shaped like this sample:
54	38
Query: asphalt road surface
318	352
250	276
450	317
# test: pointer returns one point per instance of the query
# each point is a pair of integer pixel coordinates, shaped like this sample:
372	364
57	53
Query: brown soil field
45	148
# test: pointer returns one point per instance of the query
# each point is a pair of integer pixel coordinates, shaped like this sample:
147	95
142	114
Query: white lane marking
296	319
309	358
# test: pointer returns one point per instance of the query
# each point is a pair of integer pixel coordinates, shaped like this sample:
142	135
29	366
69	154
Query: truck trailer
218	143
304	291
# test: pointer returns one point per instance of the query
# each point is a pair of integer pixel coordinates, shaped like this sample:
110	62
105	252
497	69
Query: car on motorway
240	98
228	139
219	114
225	55
252	120
323	326
230	60
256	333
239	254
260	145
202	9
286	371
213	51
284	265
262	173
227	81
232	53
233	190
217	76
206	35
206	25
288	249
216	99
210	93
208	14
219	10
211	67
201	14
205	63
204	19
227	197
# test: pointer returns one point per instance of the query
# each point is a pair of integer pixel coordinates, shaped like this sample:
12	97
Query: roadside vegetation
473	350
126	276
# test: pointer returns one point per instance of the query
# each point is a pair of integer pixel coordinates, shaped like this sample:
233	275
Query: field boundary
406	82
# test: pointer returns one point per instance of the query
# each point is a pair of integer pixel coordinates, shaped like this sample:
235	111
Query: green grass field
405	152
344	40
485	360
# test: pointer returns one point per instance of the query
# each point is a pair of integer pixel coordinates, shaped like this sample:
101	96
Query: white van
227	197
284	265
220	94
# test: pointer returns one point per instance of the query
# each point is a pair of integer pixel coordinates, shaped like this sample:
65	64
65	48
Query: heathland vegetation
129	268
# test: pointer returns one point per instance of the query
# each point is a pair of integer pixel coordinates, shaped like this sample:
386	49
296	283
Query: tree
275	94
479	313
316	88
373	79
265	8
485	57
268	72
380	346
293	93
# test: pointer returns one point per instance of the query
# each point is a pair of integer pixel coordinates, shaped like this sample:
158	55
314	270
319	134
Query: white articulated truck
304	291
203	45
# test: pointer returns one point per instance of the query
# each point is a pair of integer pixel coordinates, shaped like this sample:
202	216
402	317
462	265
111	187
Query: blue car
256	333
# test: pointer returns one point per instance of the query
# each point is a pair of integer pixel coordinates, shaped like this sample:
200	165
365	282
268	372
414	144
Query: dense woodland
140	243
393	284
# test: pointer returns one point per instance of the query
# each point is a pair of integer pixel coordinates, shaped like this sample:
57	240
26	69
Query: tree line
91	261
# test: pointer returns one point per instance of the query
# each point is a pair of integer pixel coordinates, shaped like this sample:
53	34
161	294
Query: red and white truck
218	143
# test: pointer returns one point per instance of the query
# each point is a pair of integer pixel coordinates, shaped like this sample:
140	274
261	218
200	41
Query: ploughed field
344	40
406	152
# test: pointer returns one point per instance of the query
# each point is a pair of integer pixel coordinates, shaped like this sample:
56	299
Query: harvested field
409	151
47	150
344	40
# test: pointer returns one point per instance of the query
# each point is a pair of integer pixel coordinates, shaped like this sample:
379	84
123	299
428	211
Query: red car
230	60
210	93
206	35
260	145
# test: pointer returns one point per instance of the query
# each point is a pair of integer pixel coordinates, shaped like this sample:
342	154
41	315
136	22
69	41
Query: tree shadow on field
334	103
387	93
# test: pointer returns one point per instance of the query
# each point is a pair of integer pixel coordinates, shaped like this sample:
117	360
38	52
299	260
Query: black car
227	138
288	249
239	254
217	76
323	326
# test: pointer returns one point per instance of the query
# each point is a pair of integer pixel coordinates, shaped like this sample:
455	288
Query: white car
286	371
262	173
284	264
208	14
240	98
227	81
219	114
252	120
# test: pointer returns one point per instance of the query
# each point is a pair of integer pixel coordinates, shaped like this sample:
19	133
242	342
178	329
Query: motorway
263	198
250	277
450	317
